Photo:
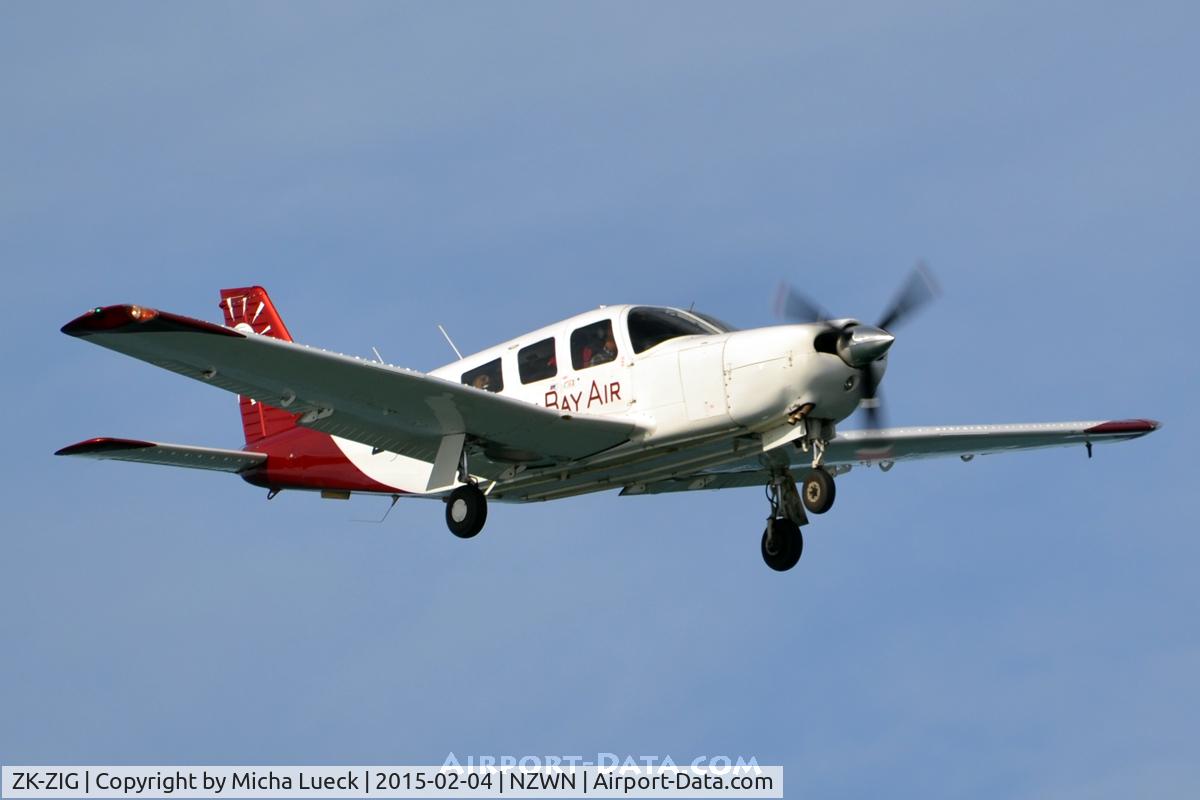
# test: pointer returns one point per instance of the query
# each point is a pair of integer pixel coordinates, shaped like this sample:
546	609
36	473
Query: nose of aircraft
864	344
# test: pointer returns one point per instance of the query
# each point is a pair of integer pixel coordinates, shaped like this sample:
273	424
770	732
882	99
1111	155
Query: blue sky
1018	626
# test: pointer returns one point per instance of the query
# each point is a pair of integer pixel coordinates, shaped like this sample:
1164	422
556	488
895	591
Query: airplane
637	398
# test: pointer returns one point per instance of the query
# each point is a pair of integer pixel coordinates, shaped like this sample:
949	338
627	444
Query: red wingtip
106	318
129	319
101	444
1141	426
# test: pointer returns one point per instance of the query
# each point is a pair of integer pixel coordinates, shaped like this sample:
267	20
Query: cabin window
488	377
536	362
593	345
650	327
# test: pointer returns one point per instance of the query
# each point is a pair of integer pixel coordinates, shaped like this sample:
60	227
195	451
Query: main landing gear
782	544
782	541
466	506
466	511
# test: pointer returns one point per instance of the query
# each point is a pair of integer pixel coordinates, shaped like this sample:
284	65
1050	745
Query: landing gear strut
782	542
466	507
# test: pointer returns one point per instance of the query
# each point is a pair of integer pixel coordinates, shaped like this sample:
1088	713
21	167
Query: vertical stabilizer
249	309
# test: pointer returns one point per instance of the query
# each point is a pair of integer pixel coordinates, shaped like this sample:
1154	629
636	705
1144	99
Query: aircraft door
599	381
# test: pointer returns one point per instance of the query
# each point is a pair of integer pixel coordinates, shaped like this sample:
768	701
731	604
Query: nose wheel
466	511
818	491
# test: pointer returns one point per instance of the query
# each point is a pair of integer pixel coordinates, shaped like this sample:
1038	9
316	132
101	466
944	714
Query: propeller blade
918	290
795	307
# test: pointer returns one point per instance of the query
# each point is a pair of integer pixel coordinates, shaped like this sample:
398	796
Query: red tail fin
249	307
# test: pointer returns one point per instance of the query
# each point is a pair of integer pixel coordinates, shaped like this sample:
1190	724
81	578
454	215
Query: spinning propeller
861	346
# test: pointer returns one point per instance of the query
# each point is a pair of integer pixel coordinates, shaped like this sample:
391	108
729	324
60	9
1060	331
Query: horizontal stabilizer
171	455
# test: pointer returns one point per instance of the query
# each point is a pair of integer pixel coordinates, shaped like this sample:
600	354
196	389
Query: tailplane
250	310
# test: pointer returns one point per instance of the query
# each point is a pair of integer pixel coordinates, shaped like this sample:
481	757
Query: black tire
466	511
782	544
818	491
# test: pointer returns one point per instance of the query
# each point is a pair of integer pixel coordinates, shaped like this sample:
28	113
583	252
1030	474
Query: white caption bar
392	782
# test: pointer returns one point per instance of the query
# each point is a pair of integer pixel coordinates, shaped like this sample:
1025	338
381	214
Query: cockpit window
650	327
593	345
487	377
536	362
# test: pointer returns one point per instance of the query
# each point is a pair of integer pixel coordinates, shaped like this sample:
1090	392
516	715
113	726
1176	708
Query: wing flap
705	480
171	455
396	409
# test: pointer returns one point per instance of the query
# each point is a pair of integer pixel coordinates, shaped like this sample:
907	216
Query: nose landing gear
819	491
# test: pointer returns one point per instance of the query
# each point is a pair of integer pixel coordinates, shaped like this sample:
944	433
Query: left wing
394	409
902	444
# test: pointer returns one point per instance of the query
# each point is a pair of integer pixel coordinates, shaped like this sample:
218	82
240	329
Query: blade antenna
378	357
450	341
395	499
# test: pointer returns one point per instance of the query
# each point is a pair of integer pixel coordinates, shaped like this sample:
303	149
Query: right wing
902	444
393	409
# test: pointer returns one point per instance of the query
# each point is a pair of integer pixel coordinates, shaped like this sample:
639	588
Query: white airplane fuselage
712	386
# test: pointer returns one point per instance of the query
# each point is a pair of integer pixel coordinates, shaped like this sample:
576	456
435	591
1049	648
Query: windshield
650	327
721	325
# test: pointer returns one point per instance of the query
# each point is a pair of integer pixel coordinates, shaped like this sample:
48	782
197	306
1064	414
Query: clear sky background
1020	626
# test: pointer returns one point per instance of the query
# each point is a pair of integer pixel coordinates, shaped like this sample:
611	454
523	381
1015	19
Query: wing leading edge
391	408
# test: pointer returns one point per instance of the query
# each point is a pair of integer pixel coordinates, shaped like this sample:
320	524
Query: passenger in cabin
607	351
593	344
487	377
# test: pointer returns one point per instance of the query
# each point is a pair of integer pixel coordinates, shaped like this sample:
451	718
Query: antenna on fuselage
378	357
450	341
